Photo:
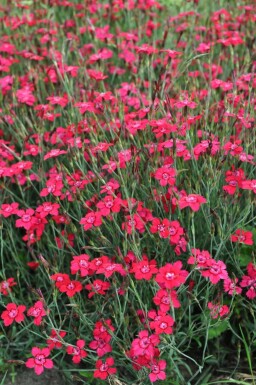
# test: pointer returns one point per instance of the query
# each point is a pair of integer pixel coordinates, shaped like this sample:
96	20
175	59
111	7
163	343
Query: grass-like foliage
127	184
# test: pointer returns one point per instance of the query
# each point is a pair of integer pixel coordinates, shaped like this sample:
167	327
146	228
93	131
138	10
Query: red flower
26	218
109	187
54	153
104	369
250	281
133	222
157	370
199	258
91	219
70	287
40	360
97	75
175	232
102	328
77	351
216	270
144	345
9	209
13	313
109	268
48	208
60	279
242	236
54	342
193	201
25	96
80	264
218	310
166	299
249	185
230	286
162	322
97	287
162	227
59	100
109	204
101	344
144	269
166	175
38	312
5	286
171	275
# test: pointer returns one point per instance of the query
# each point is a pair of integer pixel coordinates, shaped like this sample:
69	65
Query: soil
28	377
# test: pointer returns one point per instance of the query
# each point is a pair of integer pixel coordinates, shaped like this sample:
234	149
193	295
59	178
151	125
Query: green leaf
216	330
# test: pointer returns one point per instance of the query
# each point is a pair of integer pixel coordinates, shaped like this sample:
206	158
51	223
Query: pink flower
38	312
91	219
145	344
218	310
242	236
144	269
104	369
40	360
157	370
216	270
13	313
77	351
193	201
171	275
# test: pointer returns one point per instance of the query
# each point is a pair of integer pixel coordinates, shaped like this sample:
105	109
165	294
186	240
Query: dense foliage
127	185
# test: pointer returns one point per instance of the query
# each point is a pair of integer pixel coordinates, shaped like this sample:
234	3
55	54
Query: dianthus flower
13	313
39	360
77	351
104	369
171	275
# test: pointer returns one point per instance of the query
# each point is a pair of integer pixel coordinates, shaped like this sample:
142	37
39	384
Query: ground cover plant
127	185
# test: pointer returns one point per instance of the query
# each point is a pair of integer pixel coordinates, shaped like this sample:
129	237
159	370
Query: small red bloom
199	258
230	286
133	222
77	351
104	369
54	341
108	205
193	201
13	313
38	312
97	287
216	270
218	310
145	344
101	344
48	208
175	232
54	153
171	275
81	264
91	219
166	299
70	287
249	281
9	209
40	360
26	218
5	286
157	370
166	175
162	227
144	269
242	236
162	322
